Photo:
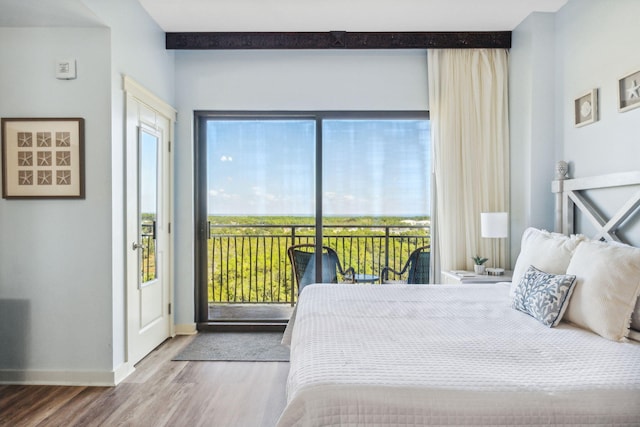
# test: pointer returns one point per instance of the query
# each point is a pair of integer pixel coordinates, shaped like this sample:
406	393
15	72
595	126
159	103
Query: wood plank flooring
159	393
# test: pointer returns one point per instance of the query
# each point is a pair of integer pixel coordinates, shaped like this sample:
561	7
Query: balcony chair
417	267
303	261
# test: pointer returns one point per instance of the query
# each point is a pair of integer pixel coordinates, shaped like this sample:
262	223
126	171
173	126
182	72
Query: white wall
597	59
597	42
278	80
594	43
53	255
62	304
532	73
137	50
66	316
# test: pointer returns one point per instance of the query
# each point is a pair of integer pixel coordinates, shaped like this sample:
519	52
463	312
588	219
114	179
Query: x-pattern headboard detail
570	195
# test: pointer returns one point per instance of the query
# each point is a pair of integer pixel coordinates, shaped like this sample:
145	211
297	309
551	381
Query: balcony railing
148	255
249	263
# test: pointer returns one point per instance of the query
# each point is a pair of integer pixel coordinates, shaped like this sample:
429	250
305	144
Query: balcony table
365	278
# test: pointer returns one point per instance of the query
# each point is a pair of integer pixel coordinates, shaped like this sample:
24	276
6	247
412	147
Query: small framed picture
586	108
42	158
629	92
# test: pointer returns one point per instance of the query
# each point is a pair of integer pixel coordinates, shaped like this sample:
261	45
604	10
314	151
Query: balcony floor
271	313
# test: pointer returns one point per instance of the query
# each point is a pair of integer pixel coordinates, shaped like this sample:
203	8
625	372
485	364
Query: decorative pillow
635	317
543	296
607	288
550	252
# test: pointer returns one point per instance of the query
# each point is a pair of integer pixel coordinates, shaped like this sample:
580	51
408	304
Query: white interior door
148	229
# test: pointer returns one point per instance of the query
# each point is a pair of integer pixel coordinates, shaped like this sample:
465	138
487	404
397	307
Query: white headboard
570	199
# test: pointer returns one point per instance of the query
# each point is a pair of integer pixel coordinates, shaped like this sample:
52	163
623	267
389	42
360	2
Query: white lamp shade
494	224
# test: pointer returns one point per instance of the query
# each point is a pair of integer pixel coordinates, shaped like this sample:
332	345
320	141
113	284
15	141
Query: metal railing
148	255
249	263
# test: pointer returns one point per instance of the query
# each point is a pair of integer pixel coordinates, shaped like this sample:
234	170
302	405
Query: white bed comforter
449	355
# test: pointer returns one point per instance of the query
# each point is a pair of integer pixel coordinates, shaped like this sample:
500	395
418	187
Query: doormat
235	346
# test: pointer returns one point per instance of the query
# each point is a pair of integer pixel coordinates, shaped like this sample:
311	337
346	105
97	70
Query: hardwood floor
159	393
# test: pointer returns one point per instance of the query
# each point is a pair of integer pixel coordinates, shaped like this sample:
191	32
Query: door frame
135	91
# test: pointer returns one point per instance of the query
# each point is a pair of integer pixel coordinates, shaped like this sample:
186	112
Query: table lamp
494	225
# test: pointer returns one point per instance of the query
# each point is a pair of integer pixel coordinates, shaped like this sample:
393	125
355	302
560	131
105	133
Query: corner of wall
532	125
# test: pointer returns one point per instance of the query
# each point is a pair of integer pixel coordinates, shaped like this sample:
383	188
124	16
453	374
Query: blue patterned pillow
544	296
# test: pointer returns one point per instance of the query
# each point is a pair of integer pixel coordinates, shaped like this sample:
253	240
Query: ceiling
50	13
344	15
292	15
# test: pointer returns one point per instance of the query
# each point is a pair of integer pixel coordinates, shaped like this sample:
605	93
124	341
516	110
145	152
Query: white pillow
635	317
606	290
549	252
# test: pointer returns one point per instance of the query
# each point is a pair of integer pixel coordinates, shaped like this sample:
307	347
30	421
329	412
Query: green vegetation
248	255
148	253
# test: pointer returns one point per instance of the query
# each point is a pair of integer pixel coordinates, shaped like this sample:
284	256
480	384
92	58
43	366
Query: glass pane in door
376	191
148	203
260	201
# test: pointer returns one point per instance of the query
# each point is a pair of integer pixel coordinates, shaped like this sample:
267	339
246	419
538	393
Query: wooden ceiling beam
338	40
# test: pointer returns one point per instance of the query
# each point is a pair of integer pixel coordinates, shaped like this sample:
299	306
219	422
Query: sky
267	167
148	172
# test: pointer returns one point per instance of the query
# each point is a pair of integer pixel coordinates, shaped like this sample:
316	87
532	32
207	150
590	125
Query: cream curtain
468	105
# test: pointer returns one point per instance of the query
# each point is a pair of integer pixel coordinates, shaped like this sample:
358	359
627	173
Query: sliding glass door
267	181
376	180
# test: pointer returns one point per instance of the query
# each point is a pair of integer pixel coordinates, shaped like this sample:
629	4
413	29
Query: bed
557	346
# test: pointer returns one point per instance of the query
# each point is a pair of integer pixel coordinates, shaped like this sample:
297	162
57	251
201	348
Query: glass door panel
148	202
376	191
260	200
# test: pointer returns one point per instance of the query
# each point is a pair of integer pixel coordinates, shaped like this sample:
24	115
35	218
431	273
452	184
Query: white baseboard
122	372
186	329
72	378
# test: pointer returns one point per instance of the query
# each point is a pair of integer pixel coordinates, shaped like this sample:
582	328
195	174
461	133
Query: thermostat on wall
66	69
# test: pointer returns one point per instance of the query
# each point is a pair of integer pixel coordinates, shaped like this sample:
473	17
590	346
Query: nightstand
461	277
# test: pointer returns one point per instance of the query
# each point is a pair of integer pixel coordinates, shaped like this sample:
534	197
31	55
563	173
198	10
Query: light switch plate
66	69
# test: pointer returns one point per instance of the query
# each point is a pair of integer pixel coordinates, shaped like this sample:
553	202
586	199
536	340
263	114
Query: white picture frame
585	108
629	92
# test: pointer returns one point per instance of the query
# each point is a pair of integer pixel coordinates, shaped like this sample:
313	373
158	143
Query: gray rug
235	346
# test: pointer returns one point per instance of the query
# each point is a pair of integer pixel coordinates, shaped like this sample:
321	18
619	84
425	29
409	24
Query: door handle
137	246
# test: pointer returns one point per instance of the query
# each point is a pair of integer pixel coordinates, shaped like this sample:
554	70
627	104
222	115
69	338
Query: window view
261	184
376	181
262	175
376	168
148	155
261	168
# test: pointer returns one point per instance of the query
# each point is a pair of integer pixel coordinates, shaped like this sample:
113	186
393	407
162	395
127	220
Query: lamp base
495	271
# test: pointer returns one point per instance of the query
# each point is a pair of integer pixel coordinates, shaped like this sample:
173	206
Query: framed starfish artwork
586	108
629	92
43	158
